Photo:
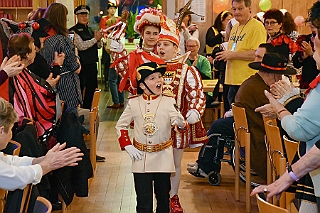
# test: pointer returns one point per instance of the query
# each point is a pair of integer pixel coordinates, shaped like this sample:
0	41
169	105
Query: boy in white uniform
151	152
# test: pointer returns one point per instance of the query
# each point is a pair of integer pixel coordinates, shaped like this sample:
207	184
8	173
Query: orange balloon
220	5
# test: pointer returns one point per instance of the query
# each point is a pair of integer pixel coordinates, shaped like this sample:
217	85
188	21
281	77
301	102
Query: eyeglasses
271	23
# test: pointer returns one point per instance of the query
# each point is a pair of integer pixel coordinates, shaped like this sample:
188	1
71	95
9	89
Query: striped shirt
68	86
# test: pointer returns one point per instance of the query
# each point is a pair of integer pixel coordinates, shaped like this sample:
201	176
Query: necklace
236	39
147	49
194	63
149	126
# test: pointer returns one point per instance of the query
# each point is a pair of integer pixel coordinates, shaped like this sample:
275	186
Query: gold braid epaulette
290	99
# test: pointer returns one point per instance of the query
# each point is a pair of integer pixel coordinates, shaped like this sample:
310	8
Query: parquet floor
112	190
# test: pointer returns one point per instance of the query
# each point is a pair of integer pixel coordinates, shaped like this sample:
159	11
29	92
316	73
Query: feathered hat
185	10
148	17
169	32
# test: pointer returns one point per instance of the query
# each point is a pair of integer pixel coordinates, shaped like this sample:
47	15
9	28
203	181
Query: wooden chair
26	198
15	146
265	207
275	153
242	139
269	175
92	136
291	148
96	98
42	205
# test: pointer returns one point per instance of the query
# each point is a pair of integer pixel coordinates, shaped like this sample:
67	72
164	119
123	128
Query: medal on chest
170	82
149	126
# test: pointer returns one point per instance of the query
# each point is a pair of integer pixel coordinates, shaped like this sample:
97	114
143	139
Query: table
209	85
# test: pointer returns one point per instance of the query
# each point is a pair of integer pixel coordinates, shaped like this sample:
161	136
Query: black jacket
73	180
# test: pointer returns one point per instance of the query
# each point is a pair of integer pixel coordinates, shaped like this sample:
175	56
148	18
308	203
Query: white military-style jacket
164	113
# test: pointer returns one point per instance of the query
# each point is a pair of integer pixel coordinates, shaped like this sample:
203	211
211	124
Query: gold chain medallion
149	127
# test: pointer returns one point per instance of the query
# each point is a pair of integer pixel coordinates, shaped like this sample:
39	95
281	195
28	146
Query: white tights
175	177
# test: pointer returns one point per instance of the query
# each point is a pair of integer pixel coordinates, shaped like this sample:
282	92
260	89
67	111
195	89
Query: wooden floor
112	189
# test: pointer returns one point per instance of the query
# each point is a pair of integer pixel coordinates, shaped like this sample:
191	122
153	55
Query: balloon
220	5
265	5
299	20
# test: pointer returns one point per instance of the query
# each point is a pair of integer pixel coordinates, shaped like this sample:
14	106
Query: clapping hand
12	66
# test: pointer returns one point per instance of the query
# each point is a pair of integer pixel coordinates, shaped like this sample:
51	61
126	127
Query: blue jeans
114	80
233	89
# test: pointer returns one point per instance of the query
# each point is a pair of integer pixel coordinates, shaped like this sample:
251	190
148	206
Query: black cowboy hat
146	69
273	63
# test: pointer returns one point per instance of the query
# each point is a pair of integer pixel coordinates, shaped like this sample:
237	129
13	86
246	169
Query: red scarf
313	84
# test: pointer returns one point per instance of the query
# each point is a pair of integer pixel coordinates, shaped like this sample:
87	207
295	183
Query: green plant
130	24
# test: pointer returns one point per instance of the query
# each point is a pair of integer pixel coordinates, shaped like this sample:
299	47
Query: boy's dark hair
314	15
269	47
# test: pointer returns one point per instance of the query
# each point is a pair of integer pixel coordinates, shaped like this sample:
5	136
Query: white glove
134	153
193	116
116	46
179	121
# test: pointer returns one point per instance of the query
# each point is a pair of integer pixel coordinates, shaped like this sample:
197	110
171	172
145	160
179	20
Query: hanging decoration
283	11
260	16
265	5
299	20
220	5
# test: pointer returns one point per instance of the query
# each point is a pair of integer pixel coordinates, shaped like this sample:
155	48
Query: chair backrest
242	139
16	147
240	123
26	198
265	207
276	156
273	135
291	148
96	98
42	205
93	135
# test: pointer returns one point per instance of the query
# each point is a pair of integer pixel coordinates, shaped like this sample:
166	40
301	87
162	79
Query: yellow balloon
265	5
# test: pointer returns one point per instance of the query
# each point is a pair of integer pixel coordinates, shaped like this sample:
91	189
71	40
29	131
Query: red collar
313	84
149	97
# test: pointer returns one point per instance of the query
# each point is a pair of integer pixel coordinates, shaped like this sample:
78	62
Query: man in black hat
87	41
251	95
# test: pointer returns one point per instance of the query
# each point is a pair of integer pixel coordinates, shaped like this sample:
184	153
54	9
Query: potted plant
130	24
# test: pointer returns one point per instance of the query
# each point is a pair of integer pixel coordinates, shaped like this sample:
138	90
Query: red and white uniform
184	83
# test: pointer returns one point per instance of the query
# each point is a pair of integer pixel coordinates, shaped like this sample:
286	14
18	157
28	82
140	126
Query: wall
295	7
